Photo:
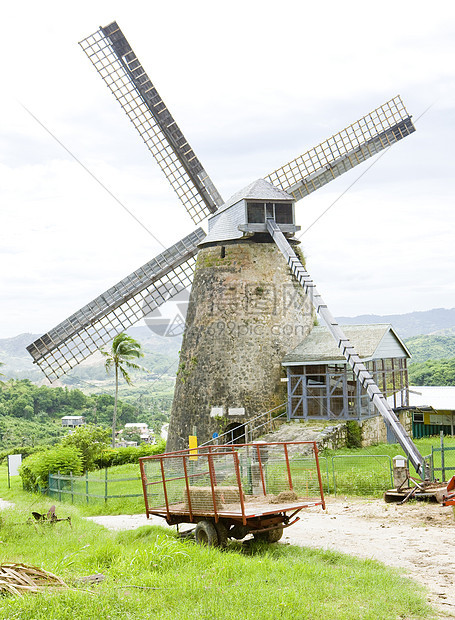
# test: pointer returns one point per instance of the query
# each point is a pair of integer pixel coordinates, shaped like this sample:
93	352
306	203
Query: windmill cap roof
257	190
224	224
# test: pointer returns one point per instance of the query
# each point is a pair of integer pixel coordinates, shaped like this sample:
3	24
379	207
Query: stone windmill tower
247	309
245	312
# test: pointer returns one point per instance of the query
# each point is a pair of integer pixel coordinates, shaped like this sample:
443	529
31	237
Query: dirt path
419	538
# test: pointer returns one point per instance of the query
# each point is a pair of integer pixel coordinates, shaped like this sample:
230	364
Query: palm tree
123	350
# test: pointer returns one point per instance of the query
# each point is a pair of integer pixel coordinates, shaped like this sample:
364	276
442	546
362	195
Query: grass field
152	574
96	506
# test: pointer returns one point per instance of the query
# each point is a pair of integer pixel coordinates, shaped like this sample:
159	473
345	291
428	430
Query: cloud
256	91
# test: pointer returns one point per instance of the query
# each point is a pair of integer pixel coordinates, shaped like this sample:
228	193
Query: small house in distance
433	410
321	384
140	428
72	421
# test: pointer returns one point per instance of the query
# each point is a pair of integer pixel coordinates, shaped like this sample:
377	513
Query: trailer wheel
270	536
206	534
222	532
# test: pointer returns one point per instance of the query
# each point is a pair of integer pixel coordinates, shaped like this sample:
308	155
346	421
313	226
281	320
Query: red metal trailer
230	491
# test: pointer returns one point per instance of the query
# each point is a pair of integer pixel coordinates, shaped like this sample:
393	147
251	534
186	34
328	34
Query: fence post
443	470
58	487
105	485
328	476
334	478
72	496
86	486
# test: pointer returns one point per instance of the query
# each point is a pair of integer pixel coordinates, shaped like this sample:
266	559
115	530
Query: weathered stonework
374	430
245	312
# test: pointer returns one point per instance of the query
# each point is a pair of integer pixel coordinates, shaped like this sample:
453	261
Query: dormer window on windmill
281	212
257	213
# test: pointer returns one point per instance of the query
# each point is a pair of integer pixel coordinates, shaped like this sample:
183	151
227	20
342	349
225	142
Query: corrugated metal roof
320	347
440	398
224	225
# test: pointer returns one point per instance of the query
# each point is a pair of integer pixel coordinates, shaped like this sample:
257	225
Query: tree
90	441
123	351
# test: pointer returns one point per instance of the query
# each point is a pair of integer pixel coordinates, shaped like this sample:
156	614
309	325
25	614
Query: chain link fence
94	486
362	474
342	474
442	463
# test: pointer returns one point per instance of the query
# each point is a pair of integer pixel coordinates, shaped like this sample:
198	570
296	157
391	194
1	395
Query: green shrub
122	456
36	468
354	434
90	441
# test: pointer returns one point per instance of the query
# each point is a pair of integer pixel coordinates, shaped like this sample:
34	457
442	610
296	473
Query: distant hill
437	346
161	358
410	324
18	363
429	335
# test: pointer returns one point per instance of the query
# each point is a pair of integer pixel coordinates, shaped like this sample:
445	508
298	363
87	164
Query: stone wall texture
374	430
245	313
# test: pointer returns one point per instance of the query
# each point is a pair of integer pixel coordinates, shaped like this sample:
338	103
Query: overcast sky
252	85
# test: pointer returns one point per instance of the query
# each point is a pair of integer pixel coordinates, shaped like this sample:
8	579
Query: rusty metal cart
230	491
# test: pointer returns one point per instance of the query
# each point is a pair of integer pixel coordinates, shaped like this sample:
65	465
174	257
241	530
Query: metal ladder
360	371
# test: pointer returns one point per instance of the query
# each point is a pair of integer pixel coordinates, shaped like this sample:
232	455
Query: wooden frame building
321	385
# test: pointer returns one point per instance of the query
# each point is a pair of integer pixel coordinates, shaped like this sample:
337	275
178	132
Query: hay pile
229	495
18	579
284	496
202	499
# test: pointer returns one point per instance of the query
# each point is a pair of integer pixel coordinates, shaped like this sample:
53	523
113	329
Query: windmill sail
118	308
371	134
360	371
112	56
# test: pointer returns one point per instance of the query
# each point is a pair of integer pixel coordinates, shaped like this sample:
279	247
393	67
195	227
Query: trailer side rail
235	481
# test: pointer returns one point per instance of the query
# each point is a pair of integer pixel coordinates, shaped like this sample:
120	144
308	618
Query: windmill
247	308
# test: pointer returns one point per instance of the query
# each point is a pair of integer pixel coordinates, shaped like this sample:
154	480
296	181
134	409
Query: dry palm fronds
17	578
